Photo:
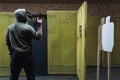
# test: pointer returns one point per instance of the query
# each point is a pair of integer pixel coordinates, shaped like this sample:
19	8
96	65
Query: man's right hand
39	22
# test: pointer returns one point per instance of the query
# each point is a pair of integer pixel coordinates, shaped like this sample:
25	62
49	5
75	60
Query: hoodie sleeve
7	37
34	33
8	43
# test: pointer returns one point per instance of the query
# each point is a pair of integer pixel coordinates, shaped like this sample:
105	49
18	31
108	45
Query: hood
19	12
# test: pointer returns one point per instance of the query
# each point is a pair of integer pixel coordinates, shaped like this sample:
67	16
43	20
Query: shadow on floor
91	73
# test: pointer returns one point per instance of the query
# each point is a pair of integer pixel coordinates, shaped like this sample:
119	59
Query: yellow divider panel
81	41
92	36
116	59
5	20
61	42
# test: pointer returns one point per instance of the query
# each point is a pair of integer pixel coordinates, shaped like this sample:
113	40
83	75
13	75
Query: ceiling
59	1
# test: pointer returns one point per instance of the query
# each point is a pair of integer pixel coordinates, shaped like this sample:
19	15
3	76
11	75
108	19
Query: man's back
20	36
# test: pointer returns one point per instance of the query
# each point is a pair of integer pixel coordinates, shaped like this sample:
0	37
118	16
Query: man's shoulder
11	25
29	26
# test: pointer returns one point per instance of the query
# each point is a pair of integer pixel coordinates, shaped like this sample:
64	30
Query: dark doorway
40	48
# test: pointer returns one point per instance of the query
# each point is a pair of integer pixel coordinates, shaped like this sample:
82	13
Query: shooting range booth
59	56
39	47
67	41
72	42
69	45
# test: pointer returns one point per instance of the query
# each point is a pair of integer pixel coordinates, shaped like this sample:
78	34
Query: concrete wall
37	8
94	10
101	10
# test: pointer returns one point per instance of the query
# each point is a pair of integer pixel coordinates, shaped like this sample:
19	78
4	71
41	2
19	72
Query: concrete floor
115	73
46	78
91	75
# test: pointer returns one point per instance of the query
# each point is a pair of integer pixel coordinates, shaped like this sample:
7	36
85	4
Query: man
18	39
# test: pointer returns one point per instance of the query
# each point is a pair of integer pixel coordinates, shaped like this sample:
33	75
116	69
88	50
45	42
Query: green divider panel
81	41
61	42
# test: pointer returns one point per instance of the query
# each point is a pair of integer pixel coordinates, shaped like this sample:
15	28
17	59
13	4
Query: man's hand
10	50
39	22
